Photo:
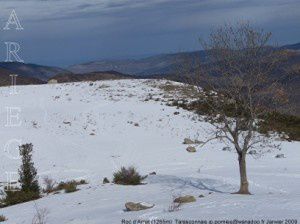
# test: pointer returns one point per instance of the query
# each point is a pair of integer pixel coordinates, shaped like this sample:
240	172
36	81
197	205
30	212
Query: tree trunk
243	175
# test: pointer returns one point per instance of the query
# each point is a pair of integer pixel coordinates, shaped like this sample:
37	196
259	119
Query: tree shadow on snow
190	182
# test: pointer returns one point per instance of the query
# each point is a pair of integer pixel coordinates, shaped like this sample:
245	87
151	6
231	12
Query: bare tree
239	70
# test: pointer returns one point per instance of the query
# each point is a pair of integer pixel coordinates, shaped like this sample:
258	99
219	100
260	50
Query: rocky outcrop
185	199
131	206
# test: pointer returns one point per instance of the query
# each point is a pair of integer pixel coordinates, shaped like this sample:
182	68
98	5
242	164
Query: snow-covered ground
89	130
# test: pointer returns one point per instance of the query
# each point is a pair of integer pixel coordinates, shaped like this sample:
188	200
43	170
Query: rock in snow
279	156
226	148
191	149
252	152
185	199
131	206
188	141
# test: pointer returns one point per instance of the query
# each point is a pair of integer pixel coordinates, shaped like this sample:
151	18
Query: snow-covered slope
88	130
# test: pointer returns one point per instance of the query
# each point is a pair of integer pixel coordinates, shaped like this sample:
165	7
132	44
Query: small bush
128	176
70	187
17	197
40	216
105	180
2	218
174	207
81	182
50	183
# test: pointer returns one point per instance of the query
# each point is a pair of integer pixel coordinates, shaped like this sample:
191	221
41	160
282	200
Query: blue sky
65	32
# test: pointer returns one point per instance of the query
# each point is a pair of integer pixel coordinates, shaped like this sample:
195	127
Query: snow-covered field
88	131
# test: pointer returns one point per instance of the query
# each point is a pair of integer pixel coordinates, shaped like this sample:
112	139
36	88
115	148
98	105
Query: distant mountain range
5	79
292	47
31	70
159	66
166	66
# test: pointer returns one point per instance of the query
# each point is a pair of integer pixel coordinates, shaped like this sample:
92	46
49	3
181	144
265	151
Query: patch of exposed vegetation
14	197
69	186
182	90
2	218
281	123
288	125
128	176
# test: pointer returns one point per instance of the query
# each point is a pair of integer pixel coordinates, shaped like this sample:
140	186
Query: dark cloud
70	31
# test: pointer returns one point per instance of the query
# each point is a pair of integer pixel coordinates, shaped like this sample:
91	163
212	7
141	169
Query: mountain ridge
30	70
156	64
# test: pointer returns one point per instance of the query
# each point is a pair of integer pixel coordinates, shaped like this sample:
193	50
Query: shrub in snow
174	206
17	197
49	183
70	187
40	216
128	176
105	180
2	218
81	182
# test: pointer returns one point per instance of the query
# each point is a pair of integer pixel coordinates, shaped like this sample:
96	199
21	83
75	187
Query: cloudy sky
65	32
